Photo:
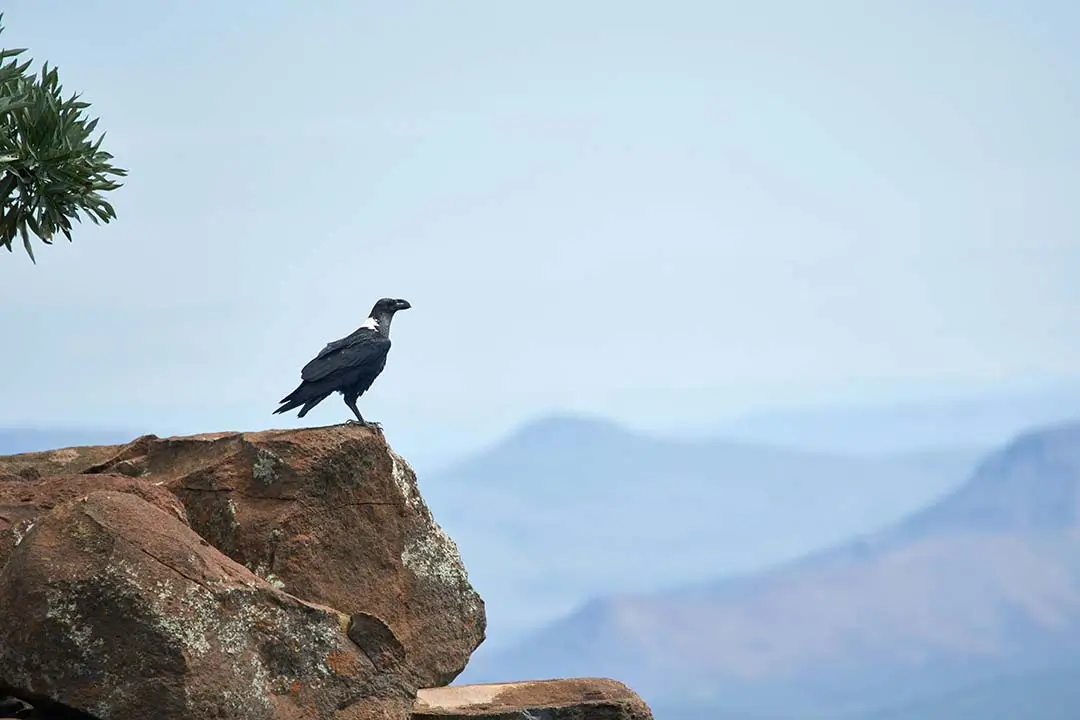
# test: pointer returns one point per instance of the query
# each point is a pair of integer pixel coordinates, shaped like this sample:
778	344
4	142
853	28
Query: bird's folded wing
358	334
355	351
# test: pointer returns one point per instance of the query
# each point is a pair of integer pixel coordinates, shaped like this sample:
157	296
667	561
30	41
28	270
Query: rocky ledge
574	699
273	575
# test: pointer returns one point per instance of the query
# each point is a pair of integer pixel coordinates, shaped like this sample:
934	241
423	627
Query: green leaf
52	171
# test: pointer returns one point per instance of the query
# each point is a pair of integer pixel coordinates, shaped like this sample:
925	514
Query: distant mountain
983	584
20	440
568	508
1048	695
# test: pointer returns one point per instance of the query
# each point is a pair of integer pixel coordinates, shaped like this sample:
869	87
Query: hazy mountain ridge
1030	484
983	583
562	498
1048	695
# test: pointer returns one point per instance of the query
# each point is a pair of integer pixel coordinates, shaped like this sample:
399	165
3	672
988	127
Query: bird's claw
370	424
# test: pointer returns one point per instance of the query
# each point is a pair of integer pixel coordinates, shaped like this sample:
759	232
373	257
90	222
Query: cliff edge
277	574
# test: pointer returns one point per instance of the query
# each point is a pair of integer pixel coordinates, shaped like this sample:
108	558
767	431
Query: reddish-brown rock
22	501
339	595
115	607
572	699
331	515
62	461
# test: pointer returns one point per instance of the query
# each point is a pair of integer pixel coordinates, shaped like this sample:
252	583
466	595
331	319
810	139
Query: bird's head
383	312
386	307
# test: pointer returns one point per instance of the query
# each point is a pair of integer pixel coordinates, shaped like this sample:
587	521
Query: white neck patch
371	324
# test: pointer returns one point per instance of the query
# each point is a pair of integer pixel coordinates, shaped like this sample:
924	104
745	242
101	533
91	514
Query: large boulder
114	607
330	515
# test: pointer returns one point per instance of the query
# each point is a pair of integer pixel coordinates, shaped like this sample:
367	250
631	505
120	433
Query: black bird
348	365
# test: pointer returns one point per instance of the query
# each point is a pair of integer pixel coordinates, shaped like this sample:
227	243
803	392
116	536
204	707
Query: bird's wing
363	347
338	344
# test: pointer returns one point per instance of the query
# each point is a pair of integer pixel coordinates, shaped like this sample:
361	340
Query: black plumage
349	365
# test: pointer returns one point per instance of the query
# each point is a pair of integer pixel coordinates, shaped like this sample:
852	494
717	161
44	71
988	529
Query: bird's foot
370	424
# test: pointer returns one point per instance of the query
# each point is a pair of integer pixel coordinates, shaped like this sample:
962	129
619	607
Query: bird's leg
351	402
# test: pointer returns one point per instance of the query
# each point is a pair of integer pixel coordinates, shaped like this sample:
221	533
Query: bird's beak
403	305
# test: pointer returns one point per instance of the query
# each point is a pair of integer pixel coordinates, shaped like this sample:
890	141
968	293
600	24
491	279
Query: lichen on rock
265	468
19	530
429	553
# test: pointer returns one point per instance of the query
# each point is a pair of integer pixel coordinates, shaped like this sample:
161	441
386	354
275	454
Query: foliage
50	169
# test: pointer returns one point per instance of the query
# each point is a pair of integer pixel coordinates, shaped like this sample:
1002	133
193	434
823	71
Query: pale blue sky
590	205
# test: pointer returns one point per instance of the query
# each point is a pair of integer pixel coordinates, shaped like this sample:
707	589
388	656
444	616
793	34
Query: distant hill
20	440
1048	695
983	584
567	508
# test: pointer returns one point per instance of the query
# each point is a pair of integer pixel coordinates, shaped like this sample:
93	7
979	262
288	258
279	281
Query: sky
640	209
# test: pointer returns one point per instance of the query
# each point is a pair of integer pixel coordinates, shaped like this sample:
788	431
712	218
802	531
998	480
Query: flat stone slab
566	699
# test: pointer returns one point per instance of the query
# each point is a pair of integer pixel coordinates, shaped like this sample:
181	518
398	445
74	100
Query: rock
573	699
23	501
333	516
279	575
114	607
63	461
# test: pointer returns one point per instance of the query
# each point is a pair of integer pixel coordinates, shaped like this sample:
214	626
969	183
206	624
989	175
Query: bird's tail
310	404
296	398
288	406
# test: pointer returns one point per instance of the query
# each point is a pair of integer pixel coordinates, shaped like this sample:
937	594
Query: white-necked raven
348	365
